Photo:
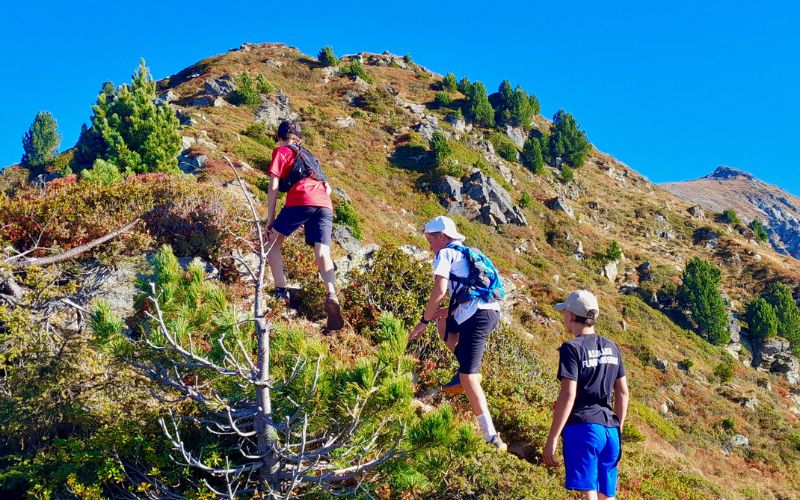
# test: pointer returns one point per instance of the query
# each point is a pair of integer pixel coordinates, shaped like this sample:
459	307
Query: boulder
345	122
560	205
341	194
661	364
427	126
115	284
734	328
459	125
210	271
417	109
330	71
479	197
486	190
610	271
166	97
739	440
220	86
274	109
517	135
449	187
343	235
706	236
190	163
415	252
697	212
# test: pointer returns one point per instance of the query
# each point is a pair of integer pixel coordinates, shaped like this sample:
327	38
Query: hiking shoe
454	386
335	320
498	443
281	294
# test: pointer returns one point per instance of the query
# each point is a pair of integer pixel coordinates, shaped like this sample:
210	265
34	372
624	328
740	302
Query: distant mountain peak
726	173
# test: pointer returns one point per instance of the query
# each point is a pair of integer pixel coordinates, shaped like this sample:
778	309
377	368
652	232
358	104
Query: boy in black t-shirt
590	369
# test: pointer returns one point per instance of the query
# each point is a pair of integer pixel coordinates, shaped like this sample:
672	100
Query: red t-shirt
307	192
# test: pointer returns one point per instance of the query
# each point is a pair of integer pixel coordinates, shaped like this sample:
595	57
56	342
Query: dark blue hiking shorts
318	223
472	336
591	456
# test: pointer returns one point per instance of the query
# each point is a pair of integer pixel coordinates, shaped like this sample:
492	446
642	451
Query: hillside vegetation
80	406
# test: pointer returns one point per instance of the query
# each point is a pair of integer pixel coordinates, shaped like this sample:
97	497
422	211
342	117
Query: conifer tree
568	141
480	109
700	295
779	296
40	143
326	57
762	319
532	155
449	83
129	130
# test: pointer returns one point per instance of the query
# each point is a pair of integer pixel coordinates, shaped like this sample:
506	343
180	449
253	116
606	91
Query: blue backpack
483	281
305	165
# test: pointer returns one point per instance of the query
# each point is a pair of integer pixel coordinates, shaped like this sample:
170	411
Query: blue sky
673	89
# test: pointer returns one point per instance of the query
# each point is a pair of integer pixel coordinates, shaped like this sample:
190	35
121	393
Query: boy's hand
549	454
417	331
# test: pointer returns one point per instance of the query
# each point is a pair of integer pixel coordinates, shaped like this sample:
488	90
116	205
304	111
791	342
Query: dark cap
289	127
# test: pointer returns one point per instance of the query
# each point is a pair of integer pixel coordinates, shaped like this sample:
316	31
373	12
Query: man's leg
322	254
451	340
275	259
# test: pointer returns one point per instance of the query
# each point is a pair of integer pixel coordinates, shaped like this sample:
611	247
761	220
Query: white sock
487	426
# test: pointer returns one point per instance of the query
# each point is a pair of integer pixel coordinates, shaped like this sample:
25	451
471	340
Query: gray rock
210	271
459	125
706	236
114	284
274	109
750	403
341	194
189	164
166	97
343	235
664	408
9	286
734	328
346	122
661	364
449	187
427	126
560	205
417	109
185	118
272	63
517	135
486	190
416	252
739	440
219	87
697	212
330	71
610	271
205	100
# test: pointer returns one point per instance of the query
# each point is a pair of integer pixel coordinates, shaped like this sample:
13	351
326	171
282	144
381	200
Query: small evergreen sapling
40	143
327	58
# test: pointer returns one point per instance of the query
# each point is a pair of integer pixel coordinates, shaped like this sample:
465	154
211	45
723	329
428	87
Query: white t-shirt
450	260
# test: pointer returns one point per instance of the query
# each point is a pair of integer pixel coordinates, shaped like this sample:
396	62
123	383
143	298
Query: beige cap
444	225
579	303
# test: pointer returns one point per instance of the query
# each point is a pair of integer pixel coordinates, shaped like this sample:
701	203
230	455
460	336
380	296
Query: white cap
579	303
444	225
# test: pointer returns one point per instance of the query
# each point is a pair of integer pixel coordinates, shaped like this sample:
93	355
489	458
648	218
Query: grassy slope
681	454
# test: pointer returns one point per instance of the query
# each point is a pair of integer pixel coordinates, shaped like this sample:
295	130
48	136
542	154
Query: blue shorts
317	221
591	456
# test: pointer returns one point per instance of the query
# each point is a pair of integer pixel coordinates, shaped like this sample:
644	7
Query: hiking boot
454	386
498	443
335	320
281	294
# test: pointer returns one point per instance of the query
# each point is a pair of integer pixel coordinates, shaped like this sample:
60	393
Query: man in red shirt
308	204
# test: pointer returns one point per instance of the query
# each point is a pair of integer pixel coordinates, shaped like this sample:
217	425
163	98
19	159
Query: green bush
686	364
407	59
759	230
727	424
504	147
258	132
441	100
532	155
102	172
129	130
724	371
395	283
449	83
762	319
40	143
356	69
729	217
567	174
246	93
263	85
700	295
375	100
344	213
525	200
326	57
614	251
440	146
567	141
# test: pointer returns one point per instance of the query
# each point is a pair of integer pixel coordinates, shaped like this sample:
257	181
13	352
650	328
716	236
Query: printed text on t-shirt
603	357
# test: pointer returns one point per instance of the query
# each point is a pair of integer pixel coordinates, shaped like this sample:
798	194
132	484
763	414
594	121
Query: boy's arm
272	199
432	310
561	411
621	396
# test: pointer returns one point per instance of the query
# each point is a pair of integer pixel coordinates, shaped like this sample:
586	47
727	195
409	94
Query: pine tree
568	141
40	143
700	295
762	319
759	230
129	130
449	83
779	296
464	86
480	109
326	57
532	155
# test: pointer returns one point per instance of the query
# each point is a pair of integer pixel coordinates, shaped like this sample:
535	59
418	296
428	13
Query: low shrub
724	371
326	57
344	213
440	146
441	100
504	147
263	85
356	69
102	172
525	200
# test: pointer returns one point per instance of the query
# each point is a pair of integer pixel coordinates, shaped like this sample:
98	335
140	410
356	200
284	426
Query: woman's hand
417	331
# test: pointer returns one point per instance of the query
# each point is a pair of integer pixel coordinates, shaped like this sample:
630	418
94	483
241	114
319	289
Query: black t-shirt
595	363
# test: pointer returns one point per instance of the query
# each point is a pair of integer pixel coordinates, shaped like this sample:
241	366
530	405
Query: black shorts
318	223
472	336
